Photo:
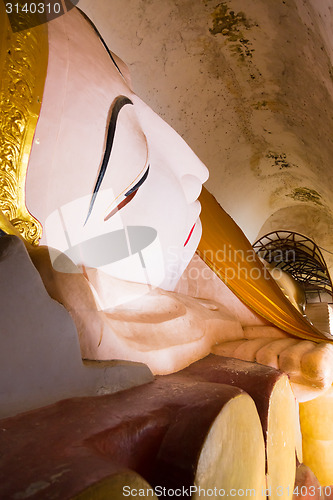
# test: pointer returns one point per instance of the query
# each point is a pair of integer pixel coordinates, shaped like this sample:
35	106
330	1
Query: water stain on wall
280	160
230	24
305	194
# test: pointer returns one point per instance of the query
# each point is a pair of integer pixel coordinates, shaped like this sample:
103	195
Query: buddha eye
129	195
138	184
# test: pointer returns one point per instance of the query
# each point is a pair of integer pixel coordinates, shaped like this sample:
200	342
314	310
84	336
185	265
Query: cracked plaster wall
249	86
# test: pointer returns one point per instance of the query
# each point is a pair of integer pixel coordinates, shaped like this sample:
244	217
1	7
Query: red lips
189	236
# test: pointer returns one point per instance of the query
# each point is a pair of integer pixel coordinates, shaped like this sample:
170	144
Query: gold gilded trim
23	67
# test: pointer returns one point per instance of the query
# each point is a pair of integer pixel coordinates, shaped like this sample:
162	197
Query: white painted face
114	186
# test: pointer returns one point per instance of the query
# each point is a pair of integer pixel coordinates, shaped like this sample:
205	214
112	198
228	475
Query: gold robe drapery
227	251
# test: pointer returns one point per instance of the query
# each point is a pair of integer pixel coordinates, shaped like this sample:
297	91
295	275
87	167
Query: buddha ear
123	69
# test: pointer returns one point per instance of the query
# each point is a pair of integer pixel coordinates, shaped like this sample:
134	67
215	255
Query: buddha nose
192	186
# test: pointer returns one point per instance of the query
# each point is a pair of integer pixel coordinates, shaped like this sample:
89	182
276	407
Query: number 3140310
33	8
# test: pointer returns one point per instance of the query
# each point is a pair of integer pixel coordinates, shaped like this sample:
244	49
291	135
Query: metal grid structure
300	257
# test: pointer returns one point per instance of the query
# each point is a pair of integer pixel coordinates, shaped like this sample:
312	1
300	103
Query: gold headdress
23	66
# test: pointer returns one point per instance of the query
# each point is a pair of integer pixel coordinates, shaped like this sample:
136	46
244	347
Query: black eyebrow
116	106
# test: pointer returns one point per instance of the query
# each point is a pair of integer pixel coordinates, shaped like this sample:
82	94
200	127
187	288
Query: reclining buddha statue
115	190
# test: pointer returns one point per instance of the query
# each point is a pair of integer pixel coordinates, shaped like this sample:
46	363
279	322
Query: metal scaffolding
301	258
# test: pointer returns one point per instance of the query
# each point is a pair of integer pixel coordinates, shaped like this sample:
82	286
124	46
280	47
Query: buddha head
112	184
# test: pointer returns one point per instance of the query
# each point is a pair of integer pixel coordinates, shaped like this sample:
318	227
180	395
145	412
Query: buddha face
114	186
